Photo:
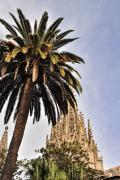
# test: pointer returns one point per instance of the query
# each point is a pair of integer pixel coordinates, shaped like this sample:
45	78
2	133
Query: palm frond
37	109
70	68
9	36
34	39
19	28
4	82
60	43
19	41
62	35
56	86
35	27
28	26
70	57
72	81
48	105
70	96
11	102
66	84
42	25
49	36
24	24
9	27
51	32
5	94
31	106
54	26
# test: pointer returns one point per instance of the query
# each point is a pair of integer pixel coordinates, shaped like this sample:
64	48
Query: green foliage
69	157
40	169
33	53
73	160
67	166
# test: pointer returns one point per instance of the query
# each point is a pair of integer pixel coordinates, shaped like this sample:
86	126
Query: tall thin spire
3	147
4	140
89	132
89	126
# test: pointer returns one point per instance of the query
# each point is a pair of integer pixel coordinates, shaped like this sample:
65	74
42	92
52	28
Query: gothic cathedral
72	128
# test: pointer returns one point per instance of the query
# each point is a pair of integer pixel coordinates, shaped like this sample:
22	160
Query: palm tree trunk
10	163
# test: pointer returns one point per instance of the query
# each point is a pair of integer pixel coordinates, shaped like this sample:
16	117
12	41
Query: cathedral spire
4	140
71	128
89	131
3	147
89	127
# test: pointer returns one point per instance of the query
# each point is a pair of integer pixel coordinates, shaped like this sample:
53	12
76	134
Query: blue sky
98	26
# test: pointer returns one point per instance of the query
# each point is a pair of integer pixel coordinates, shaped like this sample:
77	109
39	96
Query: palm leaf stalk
32	69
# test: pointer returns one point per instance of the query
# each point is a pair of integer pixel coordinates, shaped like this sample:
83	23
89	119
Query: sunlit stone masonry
72	128
3	146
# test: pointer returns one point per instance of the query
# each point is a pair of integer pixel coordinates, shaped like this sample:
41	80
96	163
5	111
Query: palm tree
32	70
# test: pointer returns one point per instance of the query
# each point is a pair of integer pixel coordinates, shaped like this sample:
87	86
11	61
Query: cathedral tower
71	128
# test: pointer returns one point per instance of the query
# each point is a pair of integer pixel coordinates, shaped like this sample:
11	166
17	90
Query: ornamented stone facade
72	128
3	146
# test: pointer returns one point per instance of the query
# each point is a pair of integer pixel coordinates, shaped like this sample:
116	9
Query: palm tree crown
34	53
